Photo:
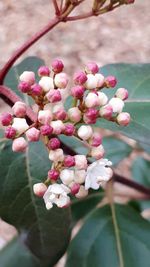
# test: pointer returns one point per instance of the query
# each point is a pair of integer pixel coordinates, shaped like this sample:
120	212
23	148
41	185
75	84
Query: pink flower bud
92	67
58	127
95	140
123	119
53	143
122	93
91	100
97	152
28	77
46	129
85	132
82	192
69	129
74	114
47	83
33	134
106	112
61	80
91	82
117	104
44	71
19	109
80	162
53	96
69	161
100	80
60	114
39	189
75	189
6	119
56	155
90	116
57	66
77	91
111	81
45	116
79	78
102	99
53	174
24	87
19	144
10	132
36	89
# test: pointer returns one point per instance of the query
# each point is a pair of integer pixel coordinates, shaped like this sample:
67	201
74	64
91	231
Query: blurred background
120	36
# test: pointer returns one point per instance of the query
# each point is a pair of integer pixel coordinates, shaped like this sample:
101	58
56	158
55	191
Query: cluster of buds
69	175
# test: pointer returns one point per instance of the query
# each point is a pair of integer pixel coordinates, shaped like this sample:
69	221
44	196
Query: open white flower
97	173
57	194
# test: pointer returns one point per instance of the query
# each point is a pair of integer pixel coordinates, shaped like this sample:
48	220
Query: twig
57	11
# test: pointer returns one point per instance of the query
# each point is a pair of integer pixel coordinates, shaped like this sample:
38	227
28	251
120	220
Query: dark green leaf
106	240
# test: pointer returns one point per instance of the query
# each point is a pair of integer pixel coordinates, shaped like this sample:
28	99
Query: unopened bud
56	155
91	100
20	125
44	71
46	129
100	79
80	162
28	77
36	89
77	91
79	78
67	176
61	80
106	112
90	116
97	152
53	174
57	66
45	116
123	118
53	143
33	134
82	192
122	93
58	126
46	83
10	132
69	161
102	98
85	132
39	189
74	114
69	129
96	140
117	104
19	144
6	119
91	82
111	81
53	96
24	87
19	109
92	68
75	189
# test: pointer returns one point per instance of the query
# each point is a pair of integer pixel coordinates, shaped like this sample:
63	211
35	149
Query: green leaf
141	174
74	143
116	150
16	254
45	232
136	78
118	238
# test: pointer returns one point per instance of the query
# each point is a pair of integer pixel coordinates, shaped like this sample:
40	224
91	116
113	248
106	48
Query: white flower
97	173
20	125
56	194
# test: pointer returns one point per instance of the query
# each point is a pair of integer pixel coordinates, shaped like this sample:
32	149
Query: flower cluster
69	175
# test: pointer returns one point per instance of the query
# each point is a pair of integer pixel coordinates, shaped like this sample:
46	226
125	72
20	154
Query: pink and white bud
91	100
47	83
53	174
75	188
67	176
90	116
33	134
80	176
123	118
69	129
96	139
60	114
122	93
10	133
6	119
100	80
45	116
80	162
20	125
19	109
56	155
39	189
58	127
53	96
46	129
24	87
61	80
53	143
97	152
69	161
85	132
91	82
28	77
77	91
106	111
117	104
92	68
36	89
74	114
57	66
102	99
79	78
82	192
111	81
19	145
44	71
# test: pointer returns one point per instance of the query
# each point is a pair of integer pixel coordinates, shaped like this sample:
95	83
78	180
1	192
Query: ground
120	36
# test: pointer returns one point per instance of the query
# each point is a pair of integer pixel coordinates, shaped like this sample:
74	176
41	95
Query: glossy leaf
45	232
104	240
